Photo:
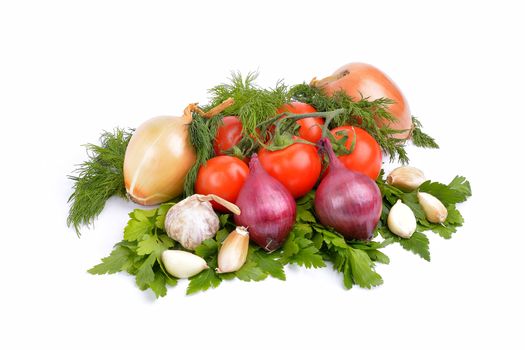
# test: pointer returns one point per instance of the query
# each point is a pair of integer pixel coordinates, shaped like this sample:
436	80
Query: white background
70	69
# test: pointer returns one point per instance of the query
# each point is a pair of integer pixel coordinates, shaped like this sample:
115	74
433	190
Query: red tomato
223	176
228	134
310	129
297	167
357	79
366	157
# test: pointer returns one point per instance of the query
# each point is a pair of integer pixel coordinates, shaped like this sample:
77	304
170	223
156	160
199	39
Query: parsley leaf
417	244
250	271
207	248
269	264
118	260
145	274
203	281
136	229
362	269
456	192
158	285
354	262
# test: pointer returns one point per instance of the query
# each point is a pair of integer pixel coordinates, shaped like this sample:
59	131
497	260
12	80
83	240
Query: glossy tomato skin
366	157
297	167
228	135
223	176
357	79
310	129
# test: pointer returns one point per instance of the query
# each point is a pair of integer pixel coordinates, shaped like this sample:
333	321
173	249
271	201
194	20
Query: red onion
346	200
267	208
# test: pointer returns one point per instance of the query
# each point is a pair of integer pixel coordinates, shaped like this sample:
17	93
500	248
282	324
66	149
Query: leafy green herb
98	178
202	133
362	113
457	191
419	138
253	104
203	281
140	251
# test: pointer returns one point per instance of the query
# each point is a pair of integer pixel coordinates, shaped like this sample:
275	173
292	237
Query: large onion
157	159
346	200
159	155
361	79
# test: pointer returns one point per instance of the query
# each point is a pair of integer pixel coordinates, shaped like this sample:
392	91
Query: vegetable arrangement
261	178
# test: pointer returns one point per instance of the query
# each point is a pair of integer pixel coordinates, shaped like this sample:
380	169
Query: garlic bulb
192	220
401	220
434	210
182	264
406	178
234	250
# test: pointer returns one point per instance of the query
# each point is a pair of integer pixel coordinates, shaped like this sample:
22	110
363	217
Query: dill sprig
98	178
419	138
362	113
253	104
202	133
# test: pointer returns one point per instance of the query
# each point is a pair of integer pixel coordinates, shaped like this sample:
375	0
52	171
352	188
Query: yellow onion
158	157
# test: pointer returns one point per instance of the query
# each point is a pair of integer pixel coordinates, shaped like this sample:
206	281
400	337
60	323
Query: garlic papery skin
435	211
192	220
182	264
234	250
401	220
406	178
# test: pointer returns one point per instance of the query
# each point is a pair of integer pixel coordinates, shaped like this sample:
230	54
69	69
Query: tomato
310	129
366	156
228	135
358	79
223	176
297	167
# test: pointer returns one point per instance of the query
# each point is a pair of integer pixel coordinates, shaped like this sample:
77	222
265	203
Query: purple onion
267	208
347	201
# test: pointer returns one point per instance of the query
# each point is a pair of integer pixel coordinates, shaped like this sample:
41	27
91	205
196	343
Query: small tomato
223	176
310	129
297	167
228	135
366	156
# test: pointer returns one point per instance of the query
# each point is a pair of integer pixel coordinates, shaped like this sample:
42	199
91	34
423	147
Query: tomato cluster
297	166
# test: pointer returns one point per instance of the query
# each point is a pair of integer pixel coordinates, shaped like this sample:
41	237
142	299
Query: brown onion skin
357	79
348	201
267	208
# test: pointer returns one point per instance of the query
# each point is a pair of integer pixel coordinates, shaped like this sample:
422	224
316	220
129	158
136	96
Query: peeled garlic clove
406	178
401	220
434	210
182	264
192	220
234	250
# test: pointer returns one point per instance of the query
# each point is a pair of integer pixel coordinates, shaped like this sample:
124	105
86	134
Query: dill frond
362	113
202	133
253	104
98	178
419	138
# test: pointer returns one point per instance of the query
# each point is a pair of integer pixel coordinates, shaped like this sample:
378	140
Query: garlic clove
182	264
406	178
434	210
234	250
401	220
